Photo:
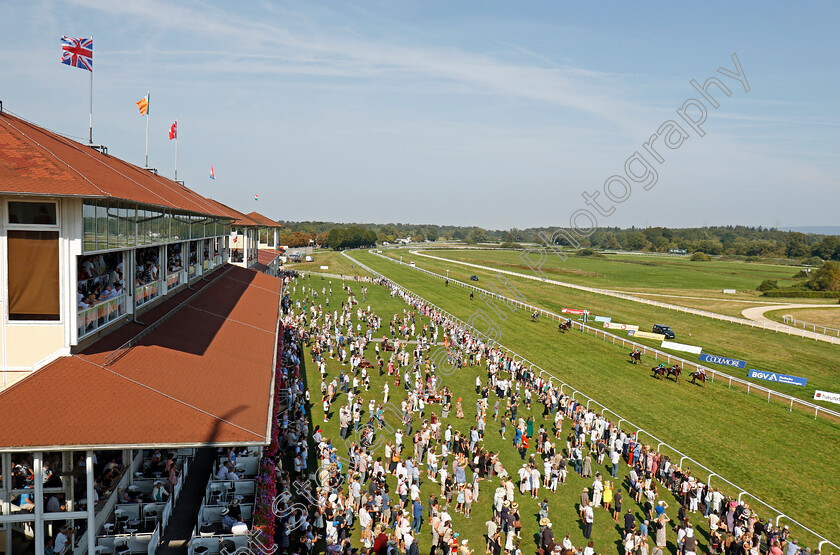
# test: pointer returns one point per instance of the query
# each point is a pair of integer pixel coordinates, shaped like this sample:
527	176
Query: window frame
32	227
29	227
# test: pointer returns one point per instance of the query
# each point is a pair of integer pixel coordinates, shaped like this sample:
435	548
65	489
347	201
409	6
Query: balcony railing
173	280
88	320
146	293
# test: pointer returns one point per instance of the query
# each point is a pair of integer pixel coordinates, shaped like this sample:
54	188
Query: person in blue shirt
418	516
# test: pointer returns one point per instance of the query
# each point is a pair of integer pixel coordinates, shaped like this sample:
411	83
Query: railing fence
791	321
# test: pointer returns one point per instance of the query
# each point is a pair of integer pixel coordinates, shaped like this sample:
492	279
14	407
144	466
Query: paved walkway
176	538
766	324
756	313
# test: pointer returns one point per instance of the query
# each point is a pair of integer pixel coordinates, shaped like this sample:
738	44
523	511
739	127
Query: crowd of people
370	449
100	278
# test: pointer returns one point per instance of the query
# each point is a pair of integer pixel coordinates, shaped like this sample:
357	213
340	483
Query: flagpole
176	150
91	103
148	101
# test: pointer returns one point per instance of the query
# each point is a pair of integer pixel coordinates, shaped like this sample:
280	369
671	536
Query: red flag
173	131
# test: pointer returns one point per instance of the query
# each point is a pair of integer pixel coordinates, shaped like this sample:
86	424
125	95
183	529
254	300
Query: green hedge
802	293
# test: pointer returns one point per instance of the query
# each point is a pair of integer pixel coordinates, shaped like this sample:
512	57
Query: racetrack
765	324
756	314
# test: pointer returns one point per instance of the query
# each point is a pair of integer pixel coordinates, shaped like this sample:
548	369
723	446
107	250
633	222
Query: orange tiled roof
239	219
34	161
204	376
264	221
266	256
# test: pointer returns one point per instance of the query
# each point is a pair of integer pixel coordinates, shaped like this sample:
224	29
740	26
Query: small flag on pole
173	131
256	197
212	173
143	105
77	52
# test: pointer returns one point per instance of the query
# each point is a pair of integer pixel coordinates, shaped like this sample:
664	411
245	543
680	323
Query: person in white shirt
62	541
223	472
240	528
567	543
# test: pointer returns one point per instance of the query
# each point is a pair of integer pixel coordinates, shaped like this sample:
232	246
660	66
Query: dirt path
756	314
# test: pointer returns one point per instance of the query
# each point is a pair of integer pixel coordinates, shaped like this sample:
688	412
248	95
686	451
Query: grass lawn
337	263
763	350
563	504
622	271
786	458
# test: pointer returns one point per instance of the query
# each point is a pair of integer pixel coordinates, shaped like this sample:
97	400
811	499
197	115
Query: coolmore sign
646	335
574	311
733	362
616	326
780	378
827	396
603	319
681	347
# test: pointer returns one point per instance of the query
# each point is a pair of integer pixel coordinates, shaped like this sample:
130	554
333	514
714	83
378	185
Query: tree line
721	240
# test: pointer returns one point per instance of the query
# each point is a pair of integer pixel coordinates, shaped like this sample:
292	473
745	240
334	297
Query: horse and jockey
566	325
700	375
663	371
636	356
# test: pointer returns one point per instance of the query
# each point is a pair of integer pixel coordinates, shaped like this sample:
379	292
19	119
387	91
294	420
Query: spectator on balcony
239	528
228	522
55	504
159	493
224	472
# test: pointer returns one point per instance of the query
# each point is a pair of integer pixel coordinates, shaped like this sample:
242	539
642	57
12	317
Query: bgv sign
775	377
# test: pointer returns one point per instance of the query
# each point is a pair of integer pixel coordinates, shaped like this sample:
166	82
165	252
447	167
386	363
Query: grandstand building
126	301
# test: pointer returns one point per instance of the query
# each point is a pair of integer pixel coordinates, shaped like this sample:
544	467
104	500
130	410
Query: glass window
164	230
32	213
131	224
178	227
33	275
101	226
122	226
113	225
89	218
144	227
195	227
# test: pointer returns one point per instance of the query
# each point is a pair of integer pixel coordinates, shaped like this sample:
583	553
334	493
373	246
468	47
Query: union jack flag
77	52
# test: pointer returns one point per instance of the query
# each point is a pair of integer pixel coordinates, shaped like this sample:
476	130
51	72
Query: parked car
474	278
664	330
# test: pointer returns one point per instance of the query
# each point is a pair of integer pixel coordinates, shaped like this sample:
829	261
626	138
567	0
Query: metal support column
38	525
91	506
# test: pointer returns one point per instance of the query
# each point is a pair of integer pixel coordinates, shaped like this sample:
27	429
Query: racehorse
675	371
658	371
636	357
563	326
535	316
698	376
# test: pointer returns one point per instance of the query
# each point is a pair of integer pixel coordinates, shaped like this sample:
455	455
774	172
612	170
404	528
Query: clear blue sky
496	114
